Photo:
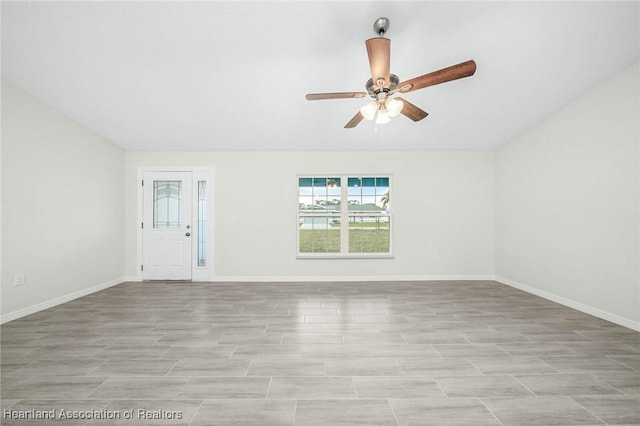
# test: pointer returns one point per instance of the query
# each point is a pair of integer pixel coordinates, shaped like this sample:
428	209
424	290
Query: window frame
344	215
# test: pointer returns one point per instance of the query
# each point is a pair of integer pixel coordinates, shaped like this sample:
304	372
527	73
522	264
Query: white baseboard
336	278
596	312
349	278
57	301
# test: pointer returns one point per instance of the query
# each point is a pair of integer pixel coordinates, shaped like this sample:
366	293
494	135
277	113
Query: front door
167	226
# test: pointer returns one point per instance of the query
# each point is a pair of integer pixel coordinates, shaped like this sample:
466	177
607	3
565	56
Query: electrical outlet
18	279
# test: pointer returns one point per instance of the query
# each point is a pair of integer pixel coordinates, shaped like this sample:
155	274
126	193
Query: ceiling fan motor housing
374	89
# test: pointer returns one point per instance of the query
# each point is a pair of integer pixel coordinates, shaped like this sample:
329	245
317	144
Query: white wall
555	212
568	204
443	204
62	207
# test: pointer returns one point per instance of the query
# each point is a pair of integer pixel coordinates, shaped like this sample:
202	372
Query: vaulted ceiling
233	75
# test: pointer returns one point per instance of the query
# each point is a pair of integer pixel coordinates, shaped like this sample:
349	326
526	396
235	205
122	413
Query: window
344	216
167	199
202	224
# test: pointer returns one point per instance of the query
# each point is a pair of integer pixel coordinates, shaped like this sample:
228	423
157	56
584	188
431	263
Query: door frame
198	174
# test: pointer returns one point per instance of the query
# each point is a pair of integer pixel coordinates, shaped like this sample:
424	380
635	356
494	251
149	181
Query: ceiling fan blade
354	121
412	111
379	51
454	72
337	95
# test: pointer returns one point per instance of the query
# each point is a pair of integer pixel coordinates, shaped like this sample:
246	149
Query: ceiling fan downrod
381	26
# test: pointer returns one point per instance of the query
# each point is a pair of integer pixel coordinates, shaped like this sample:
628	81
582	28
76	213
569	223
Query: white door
167	226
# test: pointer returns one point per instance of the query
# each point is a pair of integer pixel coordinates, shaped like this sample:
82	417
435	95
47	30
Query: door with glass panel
167	226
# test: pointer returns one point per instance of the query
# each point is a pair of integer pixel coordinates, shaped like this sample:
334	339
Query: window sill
315	256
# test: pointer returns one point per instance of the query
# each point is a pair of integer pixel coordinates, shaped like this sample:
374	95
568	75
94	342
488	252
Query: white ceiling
233	75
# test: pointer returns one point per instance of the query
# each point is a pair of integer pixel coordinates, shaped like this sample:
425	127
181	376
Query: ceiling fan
382	84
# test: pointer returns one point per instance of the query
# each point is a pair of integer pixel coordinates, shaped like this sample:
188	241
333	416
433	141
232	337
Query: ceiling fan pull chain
381	127
375	121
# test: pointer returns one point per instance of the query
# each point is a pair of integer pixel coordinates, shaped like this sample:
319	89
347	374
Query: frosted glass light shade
383	117
369	110
394	107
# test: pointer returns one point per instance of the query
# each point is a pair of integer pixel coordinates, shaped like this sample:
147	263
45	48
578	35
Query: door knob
188	234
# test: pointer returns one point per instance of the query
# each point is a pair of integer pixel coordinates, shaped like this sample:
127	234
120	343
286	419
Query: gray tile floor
391	353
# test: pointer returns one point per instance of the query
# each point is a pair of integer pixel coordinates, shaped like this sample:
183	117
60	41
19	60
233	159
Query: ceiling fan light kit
382	84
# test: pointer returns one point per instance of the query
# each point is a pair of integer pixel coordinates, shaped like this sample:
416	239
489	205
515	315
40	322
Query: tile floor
391	353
